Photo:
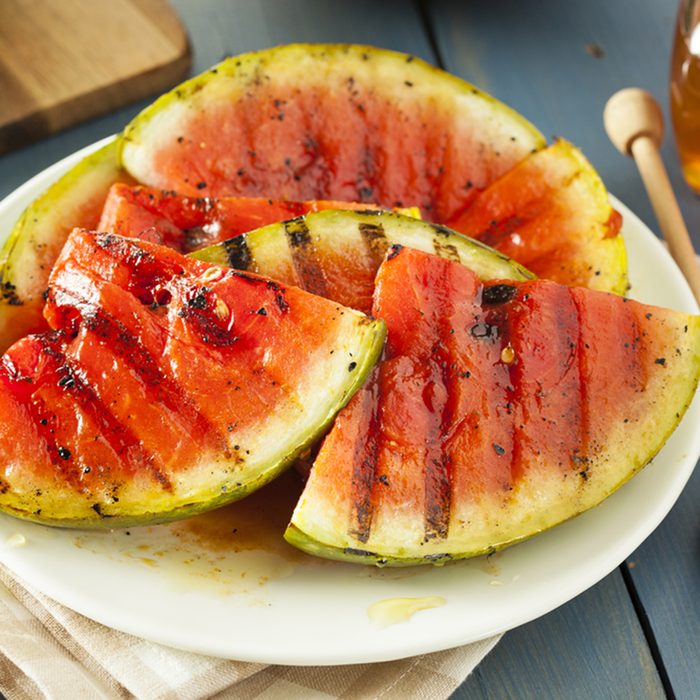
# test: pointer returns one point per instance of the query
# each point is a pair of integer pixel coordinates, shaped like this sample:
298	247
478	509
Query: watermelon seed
498	449
210	275
63	453
221	309
498	293
352	366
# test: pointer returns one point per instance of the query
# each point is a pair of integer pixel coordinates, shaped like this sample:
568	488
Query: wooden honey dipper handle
635	125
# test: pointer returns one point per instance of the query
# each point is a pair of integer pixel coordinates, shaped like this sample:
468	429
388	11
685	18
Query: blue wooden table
637	633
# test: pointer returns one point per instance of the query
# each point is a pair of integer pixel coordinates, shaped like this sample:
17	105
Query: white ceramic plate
186	586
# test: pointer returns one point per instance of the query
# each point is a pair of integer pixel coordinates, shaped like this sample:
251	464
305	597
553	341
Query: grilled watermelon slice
333	122
168	387
191	223
500	409
336	254
355	123
552	214
26	259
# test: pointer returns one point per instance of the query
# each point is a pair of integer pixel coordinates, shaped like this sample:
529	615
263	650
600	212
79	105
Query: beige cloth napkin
49	651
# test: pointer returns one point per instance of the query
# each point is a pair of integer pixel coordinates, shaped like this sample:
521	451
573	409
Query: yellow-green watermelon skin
500	409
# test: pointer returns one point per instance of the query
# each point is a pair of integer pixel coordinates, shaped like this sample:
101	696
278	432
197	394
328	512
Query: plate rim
403	645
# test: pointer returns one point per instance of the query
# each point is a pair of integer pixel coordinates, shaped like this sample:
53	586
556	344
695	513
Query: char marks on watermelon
337	253
500	409
187	223
168	386
339	122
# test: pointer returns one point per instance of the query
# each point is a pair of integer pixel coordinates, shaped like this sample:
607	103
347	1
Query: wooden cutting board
63	61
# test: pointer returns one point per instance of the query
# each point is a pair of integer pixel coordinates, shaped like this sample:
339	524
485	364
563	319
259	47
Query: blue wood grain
666	575
590	648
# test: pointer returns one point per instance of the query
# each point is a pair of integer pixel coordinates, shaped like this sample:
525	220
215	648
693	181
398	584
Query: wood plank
558	62
666	575
593	647
61	63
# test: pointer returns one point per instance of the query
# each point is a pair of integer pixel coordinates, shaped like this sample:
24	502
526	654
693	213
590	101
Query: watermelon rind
214	492
34	243
270	250
284	449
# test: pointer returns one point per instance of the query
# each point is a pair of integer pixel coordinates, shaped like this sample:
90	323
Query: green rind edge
375	337
23	274
307	543
217	253
48	199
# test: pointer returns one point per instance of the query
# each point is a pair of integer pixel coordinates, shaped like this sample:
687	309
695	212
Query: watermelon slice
168	387
338	122
190	223
552	214
336	254
500	409
26	259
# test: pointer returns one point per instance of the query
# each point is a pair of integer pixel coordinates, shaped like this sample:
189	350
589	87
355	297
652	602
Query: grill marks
42	376
365	456
445	250
305	258
546	380
438	468
534	354
135	338
237	253
115	433
123	343
376	242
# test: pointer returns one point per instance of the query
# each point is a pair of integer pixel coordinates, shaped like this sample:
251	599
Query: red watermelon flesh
500	409
552	214
340	122
191	223
166	387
